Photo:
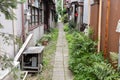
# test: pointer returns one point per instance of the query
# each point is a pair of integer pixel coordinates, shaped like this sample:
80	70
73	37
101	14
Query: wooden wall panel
94	20
113	19
113	37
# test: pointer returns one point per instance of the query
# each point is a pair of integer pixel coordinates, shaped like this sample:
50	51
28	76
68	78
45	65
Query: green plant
59	8
66	28
72	24
65	18
48	57
105	71
8	63
56	17
114	59
5	62
114	56
85	62
46	37
6	7
54	34
64	11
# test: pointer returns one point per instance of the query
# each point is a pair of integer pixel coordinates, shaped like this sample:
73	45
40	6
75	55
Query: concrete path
60	70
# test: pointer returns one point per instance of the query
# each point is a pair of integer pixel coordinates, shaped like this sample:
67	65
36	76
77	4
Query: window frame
35	7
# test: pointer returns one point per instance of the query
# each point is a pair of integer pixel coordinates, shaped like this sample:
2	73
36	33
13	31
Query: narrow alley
61	71
59	40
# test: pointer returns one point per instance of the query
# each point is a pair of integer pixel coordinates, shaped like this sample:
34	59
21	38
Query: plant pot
44	43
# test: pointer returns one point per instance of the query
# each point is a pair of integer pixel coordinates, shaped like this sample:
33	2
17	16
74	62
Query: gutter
23	30
13	29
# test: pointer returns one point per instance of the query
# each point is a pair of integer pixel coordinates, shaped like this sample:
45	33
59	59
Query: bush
65	18
64	11
66	27
72	24
56	17
85	62
51	36
54	34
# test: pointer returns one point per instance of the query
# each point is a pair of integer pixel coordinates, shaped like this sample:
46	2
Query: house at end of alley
33	16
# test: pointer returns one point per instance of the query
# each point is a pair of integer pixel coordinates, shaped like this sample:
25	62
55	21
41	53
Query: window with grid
35	7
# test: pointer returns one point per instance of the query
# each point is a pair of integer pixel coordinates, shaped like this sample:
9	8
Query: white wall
73	12
37	34
86	12
8	29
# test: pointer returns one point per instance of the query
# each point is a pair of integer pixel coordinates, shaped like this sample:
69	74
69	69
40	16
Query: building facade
100	15
33	16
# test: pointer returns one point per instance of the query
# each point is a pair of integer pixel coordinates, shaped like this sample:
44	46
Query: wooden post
119	53
99	24
106	30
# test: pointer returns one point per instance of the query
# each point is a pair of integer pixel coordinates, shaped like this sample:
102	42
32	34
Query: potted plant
45	39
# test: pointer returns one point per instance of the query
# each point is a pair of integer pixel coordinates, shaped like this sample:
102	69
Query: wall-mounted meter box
118	27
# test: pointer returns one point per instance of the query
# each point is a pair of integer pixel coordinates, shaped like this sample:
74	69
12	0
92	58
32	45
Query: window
35	7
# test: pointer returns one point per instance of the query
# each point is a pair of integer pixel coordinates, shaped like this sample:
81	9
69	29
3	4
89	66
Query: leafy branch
7	6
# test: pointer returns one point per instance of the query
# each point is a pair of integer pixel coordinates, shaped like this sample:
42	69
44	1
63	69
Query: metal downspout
23	30
13	29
